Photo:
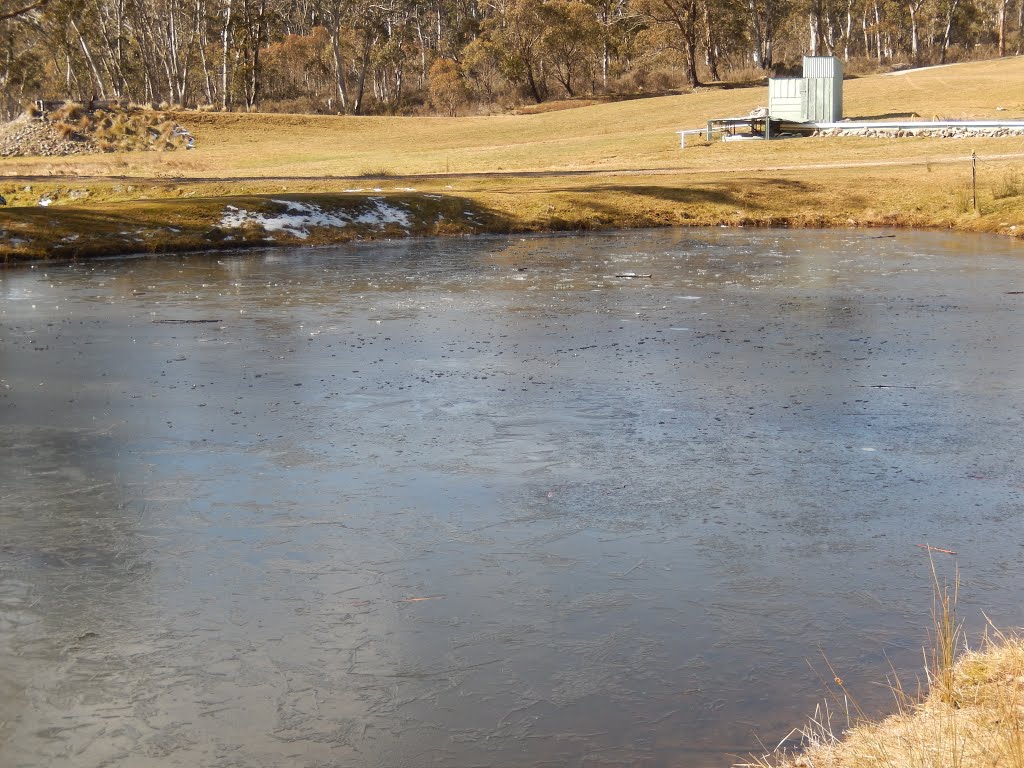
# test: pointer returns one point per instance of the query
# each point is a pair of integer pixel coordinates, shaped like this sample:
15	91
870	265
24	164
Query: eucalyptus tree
516	36
680	21
335	16
355	56
570	41
764	18
22	65
619	26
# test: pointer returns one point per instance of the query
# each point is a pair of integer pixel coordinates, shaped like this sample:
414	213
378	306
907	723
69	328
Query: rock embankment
75	129
950	132
30	136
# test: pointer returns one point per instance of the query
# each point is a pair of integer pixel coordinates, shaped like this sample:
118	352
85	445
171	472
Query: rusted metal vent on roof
817	97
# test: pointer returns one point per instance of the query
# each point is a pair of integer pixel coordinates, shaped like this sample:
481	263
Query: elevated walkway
766	128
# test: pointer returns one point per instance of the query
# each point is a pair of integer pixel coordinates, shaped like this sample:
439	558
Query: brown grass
1010	185
978	722
66	130
624	136
598	166
971	714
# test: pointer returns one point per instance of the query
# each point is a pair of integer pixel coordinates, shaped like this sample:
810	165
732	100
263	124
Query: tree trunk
364	65
204	62
1002	26
225	73
1020	27
532	82
756	35
253	87
710	46
864	31
915	51
97	78
878	32
947	36
848	30
691	63
339	68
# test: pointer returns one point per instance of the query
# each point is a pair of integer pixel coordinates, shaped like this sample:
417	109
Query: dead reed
970	714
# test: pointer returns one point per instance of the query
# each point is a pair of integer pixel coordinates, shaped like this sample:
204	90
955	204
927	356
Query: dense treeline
404	56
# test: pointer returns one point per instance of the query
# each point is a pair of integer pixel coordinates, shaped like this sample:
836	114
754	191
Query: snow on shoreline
298	218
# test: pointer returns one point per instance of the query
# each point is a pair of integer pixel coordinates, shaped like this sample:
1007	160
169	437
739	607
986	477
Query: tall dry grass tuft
971	715
947	634
1011	185
69	112
66	131
963	199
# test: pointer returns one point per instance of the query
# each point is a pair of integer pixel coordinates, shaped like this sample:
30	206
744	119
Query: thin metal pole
974	180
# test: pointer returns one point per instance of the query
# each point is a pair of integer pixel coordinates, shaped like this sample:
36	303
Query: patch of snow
16	241
45	202
383	213
298	217
297	221
190	140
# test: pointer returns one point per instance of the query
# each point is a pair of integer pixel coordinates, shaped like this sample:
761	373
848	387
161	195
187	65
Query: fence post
974	180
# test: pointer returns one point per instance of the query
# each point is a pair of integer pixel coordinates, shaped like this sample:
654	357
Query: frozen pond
484	503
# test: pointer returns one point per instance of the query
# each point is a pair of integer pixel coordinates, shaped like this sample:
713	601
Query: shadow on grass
886	116
733	192
69	233
738	85
741	201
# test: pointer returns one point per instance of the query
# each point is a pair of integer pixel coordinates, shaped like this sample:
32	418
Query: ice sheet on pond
479	502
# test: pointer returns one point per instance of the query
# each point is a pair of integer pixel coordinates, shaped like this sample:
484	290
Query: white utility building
817	97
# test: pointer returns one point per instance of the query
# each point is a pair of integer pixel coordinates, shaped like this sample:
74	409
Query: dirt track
524	174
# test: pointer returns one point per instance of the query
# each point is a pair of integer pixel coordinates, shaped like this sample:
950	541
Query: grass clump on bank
970	713
977	722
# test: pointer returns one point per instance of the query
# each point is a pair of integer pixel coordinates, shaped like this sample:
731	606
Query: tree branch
5	15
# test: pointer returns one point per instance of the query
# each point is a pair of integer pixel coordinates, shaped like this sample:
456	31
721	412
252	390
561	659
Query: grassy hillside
603	165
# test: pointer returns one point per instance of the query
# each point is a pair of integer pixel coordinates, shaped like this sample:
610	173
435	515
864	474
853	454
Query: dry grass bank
597	166
976	721
970	713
